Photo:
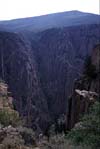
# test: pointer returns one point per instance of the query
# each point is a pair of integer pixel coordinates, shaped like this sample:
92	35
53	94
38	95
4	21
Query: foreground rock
12	133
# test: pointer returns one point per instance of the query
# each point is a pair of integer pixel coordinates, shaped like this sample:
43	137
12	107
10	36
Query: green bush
8	117
89	132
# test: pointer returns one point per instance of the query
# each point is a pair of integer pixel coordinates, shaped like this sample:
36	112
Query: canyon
40	59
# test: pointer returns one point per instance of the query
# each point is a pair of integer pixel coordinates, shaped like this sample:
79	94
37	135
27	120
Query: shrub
27	135
89	132
8	117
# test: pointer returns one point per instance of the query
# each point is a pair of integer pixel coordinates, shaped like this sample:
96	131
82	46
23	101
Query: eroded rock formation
86	91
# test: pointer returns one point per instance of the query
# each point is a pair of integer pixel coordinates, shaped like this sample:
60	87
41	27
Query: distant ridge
62	19
74	12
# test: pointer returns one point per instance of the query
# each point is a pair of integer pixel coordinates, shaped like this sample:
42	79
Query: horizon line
12	19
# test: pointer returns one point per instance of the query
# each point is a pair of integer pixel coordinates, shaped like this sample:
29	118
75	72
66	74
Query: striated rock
19	70
86	92
40	69
60	55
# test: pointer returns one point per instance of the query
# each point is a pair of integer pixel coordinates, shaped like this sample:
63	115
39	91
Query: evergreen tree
89	69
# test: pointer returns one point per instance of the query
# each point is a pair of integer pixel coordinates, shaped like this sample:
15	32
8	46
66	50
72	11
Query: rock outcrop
13	134
86	91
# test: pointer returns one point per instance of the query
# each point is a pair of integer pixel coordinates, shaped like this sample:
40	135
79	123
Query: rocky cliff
86	90
60	55
18	69
41	68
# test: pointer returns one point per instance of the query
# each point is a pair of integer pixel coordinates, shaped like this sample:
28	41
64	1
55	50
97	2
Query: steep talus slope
18	69
60	55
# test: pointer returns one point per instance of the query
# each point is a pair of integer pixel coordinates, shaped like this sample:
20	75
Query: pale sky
11	9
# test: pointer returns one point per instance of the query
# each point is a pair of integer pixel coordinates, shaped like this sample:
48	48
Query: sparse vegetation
9	117
88	132
12	133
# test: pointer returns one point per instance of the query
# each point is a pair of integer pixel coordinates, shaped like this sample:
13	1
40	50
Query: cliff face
18	69
79	104
41	69
60	56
